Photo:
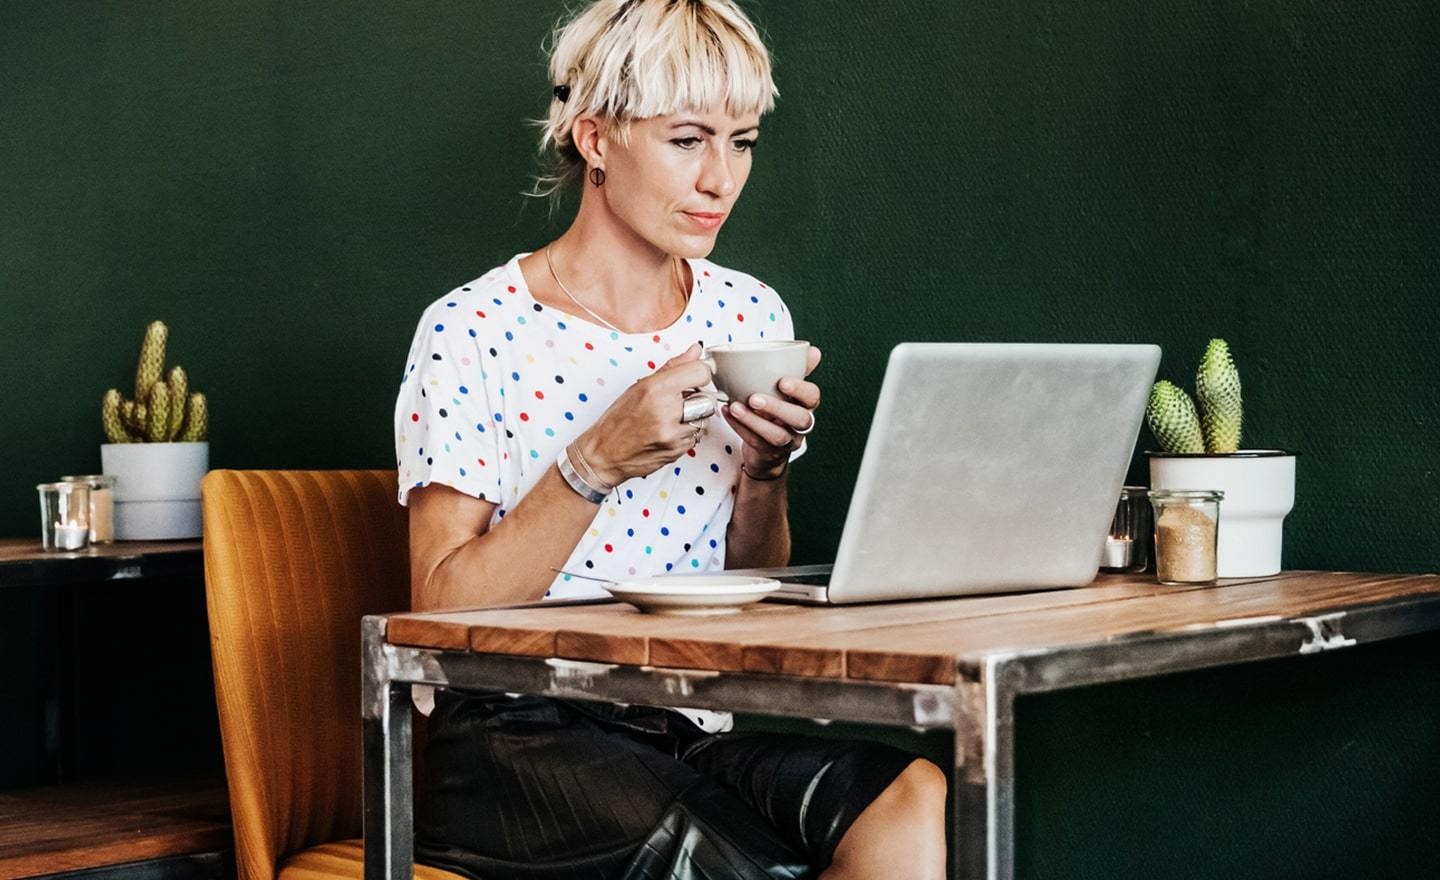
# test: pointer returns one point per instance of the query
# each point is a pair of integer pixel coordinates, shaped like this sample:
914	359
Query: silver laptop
989	468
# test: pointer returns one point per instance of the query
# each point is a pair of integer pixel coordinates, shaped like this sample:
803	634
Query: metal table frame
979	707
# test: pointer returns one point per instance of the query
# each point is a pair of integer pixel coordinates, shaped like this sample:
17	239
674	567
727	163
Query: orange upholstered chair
293	560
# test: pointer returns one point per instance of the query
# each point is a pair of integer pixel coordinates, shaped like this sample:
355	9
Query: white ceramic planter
1259	487
157	488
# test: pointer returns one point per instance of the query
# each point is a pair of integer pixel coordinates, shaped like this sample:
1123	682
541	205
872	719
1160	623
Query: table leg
968	835
389	787
982	844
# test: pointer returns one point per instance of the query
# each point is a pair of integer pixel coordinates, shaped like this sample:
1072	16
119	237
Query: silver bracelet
577	482
585	470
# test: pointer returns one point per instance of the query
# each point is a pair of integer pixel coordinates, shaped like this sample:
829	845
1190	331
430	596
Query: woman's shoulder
740	287
476	293
484	312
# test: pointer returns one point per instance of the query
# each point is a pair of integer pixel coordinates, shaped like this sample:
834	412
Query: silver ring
808	428
697	407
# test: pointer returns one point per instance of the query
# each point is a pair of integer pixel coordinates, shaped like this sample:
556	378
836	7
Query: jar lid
1133	492
1186	494
95	481
62	487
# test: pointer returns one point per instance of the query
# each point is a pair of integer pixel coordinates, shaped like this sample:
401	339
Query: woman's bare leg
901	835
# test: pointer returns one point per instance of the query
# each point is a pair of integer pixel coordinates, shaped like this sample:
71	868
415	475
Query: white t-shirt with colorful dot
496	384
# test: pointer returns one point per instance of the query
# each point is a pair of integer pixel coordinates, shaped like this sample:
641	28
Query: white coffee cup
745	368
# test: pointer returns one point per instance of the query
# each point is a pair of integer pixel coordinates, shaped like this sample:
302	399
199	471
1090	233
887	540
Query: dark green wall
287	184
290	183
1303	767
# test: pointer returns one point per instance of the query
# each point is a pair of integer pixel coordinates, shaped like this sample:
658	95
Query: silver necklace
553	274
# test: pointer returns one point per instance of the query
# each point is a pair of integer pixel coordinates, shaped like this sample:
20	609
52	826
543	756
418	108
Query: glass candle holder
64	516
1127	547
1187	526
102	505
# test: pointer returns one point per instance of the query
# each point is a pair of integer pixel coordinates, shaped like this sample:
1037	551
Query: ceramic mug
747	368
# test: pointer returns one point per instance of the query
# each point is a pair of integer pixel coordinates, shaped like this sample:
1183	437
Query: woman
540	426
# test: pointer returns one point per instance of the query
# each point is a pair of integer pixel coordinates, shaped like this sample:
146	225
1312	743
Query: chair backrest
293	559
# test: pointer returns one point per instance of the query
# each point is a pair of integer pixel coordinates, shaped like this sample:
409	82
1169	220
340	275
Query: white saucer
693	594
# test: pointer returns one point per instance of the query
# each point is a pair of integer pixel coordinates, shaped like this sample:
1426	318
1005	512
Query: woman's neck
618	274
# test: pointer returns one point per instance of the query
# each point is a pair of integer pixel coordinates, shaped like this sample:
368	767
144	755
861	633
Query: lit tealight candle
1117	552
71	536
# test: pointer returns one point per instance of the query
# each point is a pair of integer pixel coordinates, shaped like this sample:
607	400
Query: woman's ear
588	135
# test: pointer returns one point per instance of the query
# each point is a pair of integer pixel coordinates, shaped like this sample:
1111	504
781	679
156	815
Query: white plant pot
1259	487
157	488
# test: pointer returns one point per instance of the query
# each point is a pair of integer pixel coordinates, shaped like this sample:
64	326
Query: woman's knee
915	799
908	816
920	788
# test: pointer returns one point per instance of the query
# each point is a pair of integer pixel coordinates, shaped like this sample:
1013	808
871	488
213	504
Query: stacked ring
697	407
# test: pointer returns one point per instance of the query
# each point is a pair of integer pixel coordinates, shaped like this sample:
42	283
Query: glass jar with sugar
1187	525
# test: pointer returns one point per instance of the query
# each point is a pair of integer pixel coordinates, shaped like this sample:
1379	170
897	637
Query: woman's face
679	176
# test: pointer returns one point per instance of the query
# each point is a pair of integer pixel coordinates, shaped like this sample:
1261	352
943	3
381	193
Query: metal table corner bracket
580	677
1325	634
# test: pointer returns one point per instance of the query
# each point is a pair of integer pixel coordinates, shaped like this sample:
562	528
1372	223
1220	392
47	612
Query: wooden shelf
74	827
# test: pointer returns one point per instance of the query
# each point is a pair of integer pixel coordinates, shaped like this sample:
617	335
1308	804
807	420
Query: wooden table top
29	549
24	563
919	642
75	827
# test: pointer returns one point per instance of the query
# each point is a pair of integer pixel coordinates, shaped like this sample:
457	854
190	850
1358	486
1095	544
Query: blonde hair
625	60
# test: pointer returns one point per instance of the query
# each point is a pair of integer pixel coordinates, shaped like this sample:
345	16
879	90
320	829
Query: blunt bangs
670	57
627	60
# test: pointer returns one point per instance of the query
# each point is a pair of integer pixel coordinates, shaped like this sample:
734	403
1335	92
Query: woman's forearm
512	562
759	532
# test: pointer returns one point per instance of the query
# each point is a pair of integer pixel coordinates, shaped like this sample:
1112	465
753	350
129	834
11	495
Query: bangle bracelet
590	475
783	468
577	482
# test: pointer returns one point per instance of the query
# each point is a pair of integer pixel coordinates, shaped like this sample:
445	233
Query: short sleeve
445	428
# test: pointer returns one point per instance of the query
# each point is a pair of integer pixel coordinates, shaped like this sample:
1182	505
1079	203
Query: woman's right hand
641	432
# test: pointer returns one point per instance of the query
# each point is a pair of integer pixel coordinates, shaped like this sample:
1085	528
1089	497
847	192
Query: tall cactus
1172	419
1217	391
164	408
152	358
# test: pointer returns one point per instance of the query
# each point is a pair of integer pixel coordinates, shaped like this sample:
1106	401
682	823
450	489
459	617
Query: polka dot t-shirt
497	384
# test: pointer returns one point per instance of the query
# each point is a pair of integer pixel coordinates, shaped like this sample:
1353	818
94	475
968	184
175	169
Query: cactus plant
164	408
152	358
179	385
110	417
196	419
1217	392
1172	419
158	430
1213	427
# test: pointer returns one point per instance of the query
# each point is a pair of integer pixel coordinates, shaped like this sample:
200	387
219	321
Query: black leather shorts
533	787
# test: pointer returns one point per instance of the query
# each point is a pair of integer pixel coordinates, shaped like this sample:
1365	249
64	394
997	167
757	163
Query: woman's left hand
769	424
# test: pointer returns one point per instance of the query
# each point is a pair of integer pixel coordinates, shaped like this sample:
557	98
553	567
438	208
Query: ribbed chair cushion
293	560
342	859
